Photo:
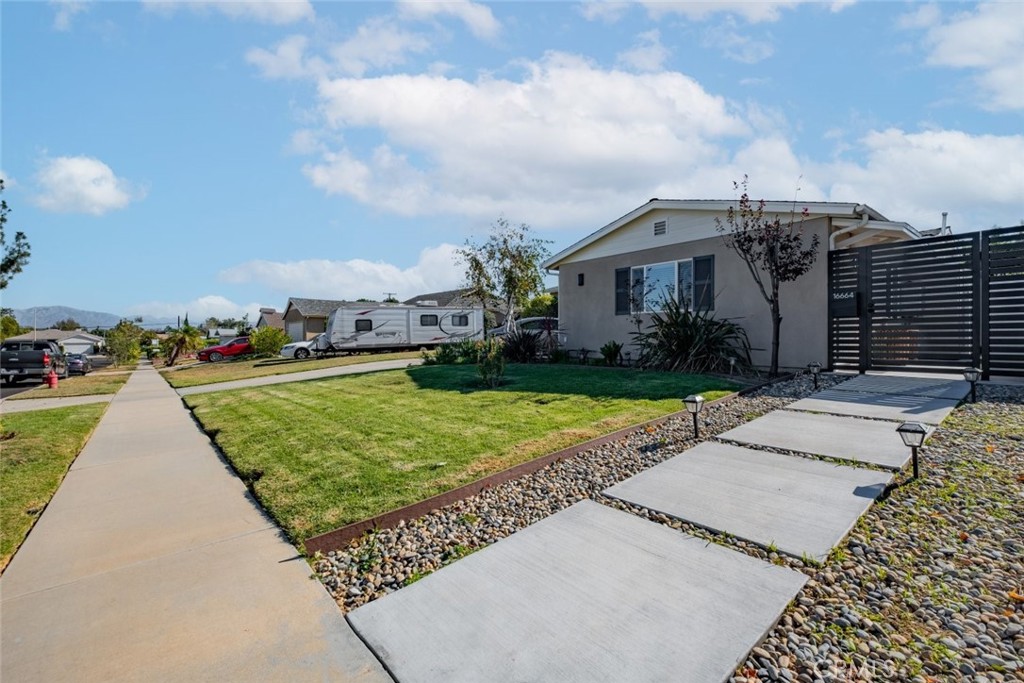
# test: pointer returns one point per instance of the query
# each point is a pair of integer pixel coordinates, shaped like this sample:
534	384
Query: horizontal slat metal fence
938	304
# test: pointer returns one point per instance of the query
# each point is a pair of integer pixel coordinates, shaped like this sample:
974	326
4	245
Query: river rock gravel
927	587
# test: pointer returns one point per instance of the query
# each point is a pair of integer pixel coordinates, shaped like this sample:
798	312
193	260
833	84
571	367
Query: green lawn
322	454
77	385
226	371
37	449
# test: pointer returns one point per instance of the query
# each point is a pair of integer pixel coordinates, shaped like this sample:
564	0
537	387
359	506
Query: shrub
452	353
612	352
267	341
491	361
686	341
522	346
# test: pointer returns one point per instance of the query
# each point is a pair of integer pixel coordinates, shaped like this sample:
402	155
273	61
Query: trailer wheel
301	353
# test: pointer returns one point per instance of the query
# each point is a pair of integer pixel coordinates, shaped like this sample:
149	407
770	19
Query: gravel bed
921	590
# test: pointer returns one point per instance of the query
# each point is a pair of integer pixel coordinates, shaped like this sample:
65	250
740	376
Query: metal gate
937	304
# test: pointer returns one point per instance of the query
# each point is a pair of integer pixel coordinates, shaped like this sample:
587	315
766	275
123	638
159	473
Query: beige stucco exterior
302	328
587	312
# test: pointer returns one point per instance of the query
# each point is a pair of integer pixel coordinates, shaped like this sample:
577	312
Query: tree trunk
773	371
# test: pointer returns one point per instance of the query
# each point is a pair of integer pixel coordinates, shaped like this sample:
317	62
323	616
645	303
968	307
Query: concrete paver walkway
587	595
896	407
151	563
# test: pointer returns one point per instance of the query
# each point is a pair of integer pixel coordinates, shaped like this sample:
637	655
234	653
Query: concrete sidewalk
337	371
23	405
152	563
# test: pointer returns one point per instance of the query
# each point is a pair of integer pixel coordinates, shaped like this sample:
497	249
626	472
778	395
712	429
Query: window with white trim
645	289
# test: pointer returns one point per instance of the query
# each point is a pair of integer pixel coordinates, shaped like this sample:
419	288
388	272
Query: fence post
983	359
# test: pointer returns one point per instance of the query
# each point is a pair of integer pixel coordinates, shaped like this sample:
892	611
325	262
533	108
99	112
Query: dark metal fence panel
921	304
1003	315
937	304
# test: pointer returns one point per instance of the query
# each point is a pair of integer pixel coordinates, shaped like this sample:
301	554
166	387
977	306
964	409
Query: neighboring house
221	333
306	318
77	341
460	297
615	276
270	317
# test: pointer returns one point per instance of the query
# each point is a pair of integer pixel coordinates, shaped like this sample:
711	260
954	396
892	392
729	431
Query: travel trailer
358	327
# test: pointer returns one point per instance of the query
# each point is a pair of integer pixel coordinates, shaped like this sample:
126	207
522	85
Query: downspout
863	211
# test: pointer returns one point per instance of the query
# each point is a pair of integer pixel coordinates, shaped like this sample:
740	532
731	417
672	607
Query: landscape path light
815	370
694	403
972	375
913	434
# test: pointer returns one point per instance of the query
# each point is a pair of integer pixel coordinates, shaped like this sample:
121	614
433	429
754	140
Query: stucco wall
587	312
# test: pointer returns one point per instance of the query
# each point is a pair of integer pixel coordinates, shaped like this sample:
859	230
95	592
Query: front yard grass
326	453
226	371
37	449
77	385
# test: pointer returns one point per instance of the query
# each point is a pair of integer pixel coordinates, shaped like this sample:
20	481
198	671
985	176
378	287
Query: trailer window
428	321
460	321
364	325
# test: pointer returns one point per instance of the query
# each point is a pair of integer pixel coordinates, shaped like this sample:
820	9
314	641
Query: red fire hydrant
51	379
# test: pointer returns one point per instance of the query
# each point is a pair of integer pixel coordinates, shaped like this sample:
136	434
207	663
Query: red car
235	347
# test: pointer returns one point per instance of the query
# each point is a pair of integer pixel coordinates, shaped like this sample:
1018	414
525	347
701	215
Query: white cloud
262	11
82	184
287	60
66	11
988	40
607	11
436	270
753	12
478	18
736	46
913	177
197	310
539	147
648	54
379	43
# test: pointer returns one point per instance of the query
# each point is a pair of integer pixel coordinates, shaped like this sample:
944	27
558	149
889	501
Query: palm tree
186	339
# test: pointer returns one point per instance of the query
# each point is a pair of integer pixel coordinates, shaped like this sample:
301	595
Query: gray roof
455	297
271	318
315	308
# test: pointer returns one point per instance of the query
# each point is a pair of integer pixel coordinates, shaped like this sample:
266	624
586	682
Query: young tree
267	341
508	264
773	250
15	255
123	342
184	340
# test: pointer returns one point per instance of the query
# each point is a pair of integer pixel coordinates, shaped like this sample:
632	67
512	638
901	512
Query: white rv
369	326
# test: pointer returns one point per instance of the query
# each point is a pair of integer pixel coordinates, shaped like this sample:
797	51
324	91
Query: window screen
460	321
428	320
364	325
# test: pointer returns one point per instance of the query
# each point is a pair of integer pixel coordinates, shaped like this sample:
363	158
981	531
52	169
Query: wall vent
660	227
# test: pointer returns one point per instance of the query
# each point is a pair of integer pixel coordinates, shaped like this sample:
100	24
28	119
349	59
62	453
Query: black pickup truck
31	360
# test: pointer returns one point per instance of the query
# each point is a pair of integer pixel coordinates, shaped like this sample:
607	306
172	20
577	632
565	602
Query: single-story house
674	246
460	297
270	317
306	318
75	341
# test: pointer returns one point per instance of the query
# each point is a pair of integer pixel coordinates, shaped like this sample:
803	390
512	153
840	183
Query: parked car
541	326
302	349
79	364
31	360
236	347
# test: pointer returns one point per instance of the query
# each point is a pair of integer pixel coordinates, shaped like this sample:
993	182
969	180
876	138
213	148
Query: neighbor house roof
55	335
271	318
814	210
454	297
312	308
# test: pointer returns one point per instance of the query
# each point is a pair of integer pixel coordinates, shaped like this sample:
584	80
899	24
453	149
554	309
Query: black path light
815	370
913	434
972	375
694	403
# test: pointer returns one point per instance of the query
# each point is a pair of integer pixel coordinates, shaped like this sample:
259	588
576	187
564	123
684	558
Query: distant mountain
42	317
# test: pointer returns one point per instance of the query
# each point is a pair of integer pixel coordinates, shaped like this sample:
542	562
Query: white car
302	349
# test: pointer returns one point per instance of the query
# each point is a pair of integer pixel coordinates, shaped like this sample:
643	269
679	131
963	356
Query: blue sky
215	157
